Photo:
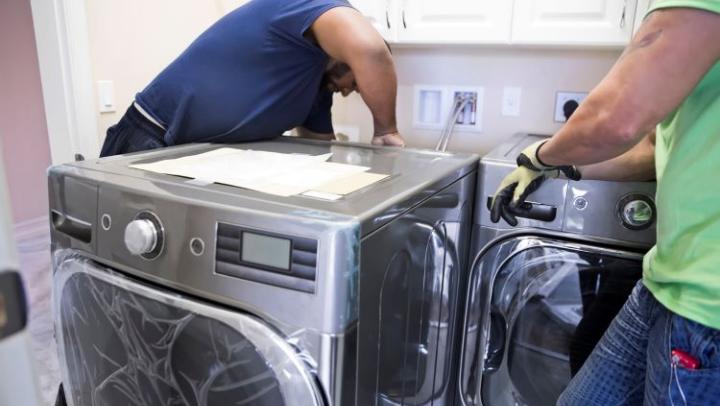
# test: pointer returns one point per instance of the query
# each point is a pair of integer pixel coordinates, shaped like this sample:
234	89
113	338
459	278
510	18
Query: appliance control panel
616	210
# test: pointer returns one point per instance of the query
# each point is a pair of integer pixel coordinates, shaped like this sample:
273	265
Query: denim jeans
132	133
632	364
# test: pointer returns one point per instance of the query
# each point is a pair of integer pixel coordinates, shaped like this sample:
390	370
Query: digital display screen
268	251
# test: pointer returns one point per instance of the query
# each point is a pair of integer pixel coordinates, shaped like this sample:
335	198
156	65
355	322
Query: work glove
522	181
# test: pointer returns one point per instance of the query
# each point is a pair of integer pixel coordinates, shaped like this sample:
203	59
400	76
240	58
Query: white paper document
269	172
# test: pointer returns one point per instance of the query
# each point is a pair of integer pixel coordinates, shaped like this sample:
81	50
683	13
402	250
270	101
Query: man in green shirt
664	346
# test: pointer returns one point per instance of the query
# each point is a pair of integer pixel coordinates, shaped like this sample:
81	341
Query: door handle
530	210
623	15
403	19
387	19
75	228
496	343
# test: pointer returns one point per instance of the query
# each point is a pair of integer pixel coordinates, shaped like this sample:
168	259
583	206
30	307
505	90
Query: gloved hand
391	139
527	178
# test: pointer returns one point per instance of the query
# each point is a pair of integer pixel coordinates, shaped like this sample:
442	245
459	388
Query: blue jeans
132	133
631	365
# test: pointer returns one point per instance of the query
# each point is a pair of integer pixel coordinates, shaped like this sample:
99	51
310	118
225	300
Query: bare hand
391	140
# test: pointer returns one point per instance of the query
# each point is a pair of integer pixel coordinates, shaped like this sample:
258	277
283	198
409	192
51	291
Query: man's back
252	75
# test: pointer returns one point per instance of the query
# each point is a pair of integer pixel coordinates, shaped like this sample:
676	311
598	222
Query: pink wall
23	130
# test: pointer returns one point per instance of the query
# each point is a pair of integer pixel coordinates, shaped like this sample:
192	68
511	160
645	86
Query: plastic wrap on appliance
123	342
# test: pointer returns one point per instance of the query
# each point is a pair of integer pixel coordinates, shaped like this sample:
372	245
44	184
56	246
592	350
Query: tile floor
35	266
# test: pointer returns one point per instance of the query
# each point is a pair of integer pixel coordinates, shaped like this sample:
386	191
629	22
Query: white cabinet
454	21
573	22
642	8
578	23
381	14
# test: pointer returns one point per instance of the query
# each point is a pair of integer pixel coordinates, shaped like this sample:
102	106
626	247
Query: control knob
144	236
637	212
140	237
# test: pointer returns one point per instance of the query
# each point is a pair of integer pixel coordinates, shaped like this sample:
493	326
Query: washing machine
173	291
540	295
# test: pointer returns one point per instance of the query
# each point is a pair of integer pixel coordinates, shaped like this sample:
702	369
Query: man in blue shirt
267	67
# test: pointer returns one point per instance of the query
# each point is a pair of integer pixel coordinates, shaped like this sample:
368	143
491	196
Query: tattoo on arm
645	41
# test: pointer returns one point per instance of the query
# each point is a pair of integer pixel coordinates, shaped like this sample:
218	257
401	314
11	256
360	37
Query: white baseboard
29	229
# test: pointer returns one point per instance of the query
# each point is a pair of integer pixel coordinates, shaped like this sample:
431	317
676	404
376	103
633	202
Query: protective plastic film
122	342
549	305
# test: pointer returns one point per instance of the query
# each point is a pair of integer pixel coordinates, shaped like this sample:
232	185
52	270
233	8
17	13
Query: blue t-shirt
252	75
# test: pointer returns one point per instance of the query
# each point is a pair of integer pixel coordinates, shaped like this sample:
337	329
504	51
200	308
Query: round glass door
125	343
547	305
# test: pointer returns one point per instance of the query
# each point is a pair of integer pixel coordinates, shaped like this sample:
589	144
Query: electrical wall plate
106	96
430	106
470	120
512	97
563	98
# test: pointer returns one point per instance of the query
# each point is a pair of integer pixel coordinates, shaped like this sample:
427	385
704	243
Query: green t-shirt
683	269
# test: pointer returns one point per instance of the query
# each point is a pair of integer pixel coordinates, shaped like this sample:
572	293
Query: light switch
511	101
106	96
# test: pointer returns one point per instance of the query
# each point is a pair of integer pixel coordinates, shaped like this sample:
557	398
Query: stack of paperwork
270	172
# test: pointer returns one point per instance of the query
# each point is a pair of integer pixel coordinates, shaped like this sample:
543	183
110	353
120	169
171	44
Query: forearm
637	164
377	84
348	37
653	76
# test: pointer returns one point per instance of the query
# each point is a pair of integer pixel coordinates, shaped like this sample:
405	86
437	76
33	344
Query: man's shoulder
708	5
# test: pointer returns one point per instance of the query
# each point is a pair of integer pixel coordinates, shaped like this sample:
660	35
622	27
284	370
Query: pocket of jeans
697	340
141	141
695	386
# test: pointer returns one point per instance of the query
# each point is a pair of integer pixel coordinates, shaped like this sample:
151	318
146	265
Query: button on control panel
636	211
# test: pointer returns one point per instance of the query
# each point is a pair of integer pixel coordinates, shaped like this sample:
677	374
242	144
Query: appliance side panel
411	275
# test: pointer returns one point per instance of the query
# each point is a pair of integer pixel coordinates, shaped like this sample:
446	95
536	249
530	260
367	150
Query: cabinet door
642	9
454	21
573	22
380	14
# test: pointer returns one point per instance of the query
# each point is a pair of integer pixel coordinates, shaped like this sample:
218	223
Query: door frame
63	48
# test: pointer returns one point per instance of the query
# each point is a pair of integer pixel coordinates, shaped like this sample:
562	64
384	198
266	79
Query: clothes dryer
541	294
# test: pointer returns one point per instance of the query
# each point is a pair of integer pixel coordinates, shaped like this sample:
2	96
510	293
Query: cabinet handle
387	19
623	16
403	19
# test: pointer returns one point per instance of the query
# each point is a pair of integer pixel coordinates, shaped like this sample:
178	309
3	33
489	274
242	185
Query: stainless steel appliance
541	294
169	291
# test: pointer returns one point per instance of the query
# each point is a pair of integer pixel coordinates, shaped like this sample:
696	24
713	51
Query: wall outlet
566	103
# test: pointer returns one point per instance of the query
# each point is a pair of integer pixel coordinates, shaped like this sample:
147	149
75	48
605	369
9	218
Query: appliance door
122	342
536	308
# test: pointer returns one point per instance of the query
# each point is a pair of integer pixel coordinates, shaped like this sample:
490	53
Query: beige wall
23	129
539	72
131	41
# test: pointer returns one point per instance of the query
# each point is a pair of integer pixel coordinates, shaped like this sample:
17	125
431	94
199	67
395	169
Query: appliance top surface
507	152
413	173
